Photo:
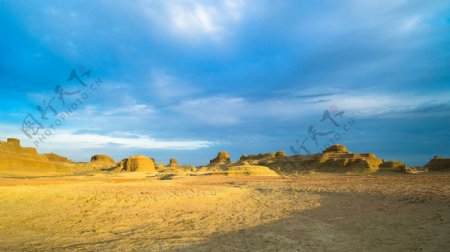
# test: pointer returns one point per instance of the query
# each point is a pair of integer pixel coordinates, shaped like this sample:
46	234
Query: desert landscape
225	125
339	201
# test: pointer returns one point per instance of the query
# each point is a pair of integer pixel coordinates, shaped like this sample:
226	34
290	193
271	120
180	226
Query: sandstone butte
138	163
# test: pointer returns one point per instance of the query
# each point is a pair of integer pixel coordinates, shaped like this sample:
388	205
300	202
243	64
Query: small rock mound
139	163
103	159
336	148
222	158
439	164
396	166
280	154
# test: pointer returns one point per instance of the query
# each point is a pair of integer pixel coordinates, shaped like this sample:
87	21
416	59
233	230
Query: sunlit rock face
15	159
335	158
103	159
57	158
222	158
139	163
25	161
339	148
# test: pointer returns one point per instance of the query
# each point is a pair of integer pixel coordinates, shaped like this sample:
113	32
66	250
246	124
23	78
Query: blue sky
188	78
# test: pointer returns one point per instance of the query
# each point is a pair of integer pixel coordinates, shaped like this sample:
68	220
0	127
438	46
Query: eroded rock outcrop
16	160
335	158
103	159
438	164
392	166
222	158
173	163
280	154
139	163
339	148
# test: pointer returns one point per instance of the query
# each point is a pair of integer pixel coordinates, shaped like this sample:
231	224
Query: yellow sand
136	212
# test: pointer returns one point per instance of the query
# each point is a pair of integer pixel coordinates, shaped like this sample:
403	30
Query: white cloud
227	111
71	140
90	140
197	19
135	109
214	110
167	86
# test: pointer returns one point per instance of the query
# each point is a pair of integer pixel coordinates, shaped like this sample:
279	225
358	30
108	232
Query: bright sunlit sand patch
127	212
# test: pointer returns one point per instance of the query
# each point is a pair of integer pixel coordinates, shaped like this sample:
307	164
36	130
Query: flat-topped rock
138	163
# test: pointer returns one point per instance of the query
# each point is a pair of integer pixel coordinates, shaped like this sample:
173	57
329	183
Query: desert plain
134	212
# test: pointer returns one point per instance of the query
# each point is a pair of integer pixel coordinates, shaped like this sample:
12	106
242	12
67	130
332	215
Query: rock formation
335	158
392	166
438	164
17	160
252	170
103	159
259	156
173	163
336	148
25	161
139	163
222	158
280	154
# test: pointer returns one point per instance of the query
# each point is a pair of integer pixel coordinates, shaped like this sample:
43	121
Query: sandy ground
216	213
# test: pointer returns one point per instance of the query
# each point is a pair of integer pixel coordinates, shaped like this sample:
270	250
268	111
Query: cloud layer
194	77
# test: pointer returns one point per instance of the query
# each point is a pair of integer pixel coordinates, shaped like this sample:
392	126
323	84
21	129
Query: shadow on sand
344	222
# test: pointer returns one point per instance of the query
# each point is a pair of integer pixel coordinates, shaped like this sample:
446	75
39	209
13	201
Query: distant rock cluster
18	160
335	159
